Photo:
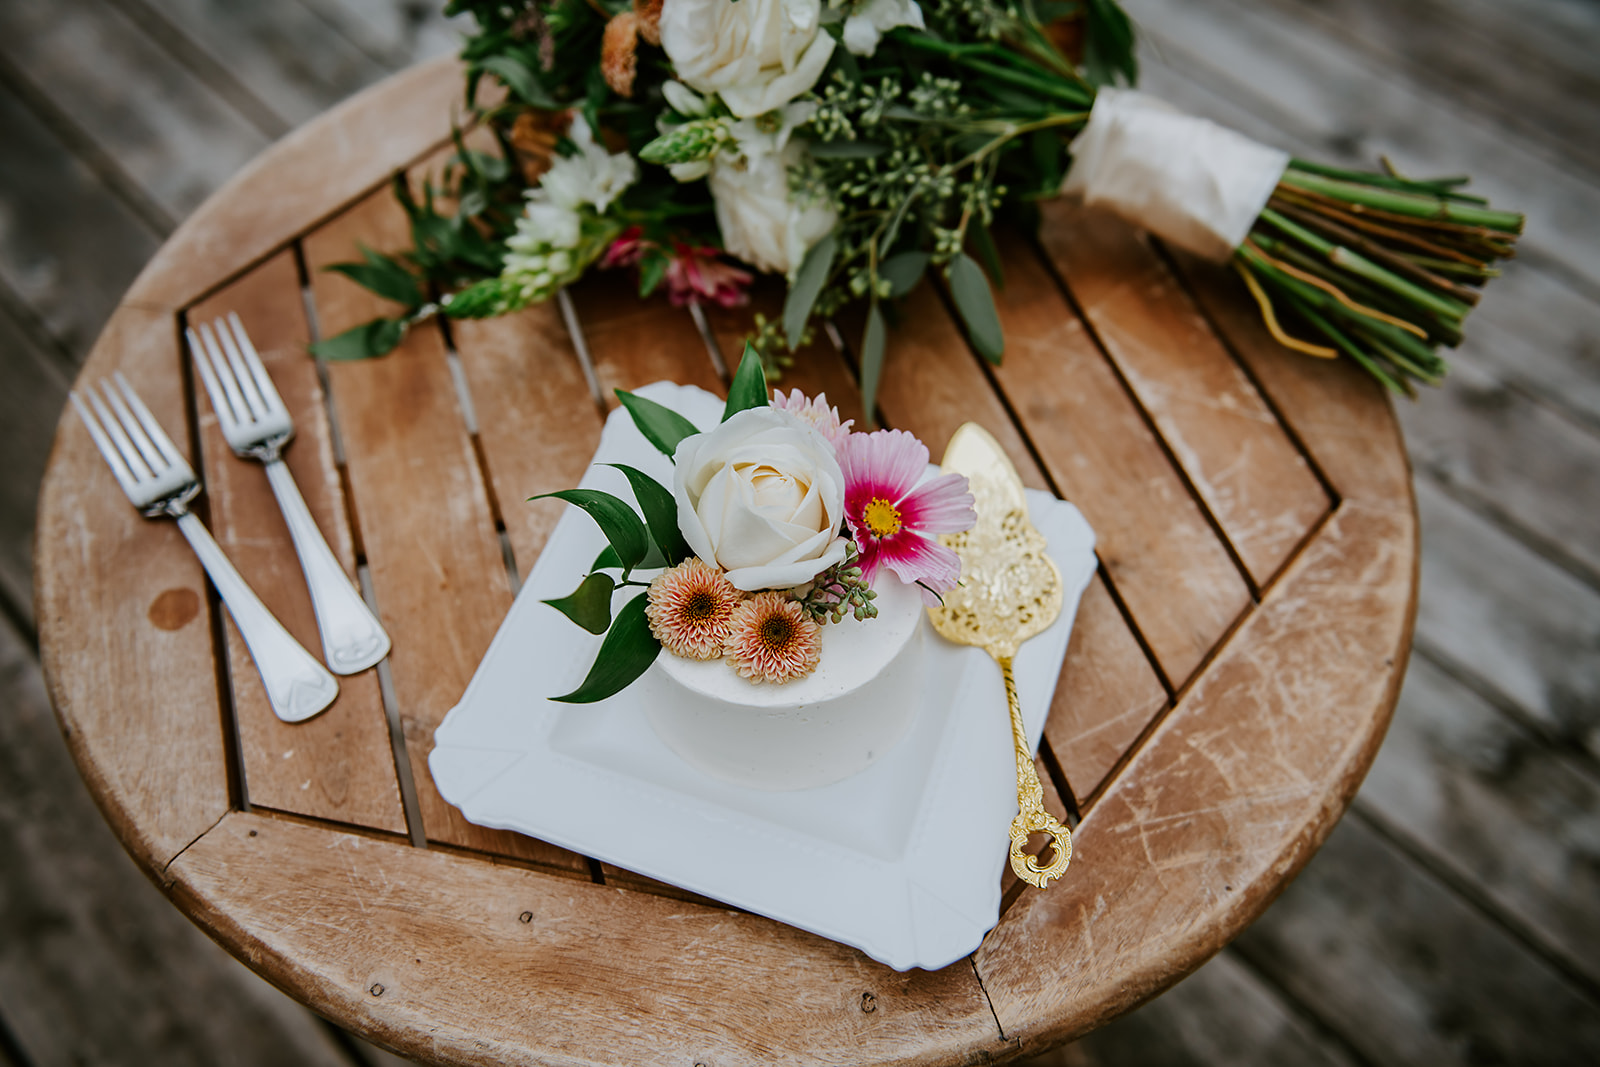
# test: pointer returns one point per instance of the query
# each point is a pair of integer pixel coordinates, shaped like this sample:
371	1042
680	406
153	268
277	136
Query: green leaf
983	244
660	513
520	79
652	268
903	271
872	345
970	290
370	339
847	150
606	560
590	604
616	519
384	275
749	386
1108	47
808	283
661	426
626	653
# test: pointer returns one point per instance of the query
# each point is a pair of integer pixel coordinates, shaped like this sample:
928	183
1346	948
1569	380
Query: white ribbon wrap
1185	179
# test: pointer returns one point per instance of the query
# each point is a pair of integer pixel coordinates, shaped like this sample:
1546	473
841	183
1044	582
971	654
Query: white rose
872	19
762	222
762	497
755	54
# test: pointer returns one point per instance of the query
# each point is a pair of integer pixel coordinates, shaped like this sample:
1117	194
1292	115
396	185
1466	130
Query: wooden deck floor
1454	915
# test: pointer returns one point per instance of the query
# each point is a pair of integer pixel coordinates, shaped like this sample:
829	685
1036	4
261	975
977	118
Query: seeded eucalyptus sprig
839	591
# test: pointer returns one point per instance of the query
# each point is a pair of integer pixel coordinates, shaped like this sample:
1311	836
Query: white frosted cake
804	733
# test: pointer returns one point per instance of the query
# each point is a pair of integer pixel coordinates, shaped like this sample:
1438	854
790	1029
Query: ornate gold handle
1031	816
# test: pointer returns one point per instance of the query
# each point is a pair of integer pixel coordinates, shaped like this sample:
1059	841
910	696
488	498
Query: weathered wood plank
1529	468
33	388
1180	586
161	125
549	970
123	608
430	541
635	342
1249	475
1528	628
95	965
396	33
537	422
1336	410
1227	799
1497	806
339	765
1223	1015
1407	972
69	247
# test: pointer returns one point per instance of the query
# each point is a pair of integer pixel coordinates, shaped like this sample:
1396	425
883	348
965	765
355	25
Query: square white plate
903	860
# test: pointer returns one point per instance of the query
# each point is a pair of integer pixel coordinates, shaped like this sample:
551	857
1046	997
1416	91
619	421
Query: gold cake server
1010	590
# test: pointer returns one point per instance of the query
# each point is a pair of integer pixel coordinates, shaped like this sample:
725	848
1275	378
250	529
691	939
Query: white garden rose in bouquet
756	55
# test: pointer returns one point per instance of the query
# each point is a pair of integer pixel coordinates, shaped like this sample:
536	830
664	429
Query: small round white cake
810	732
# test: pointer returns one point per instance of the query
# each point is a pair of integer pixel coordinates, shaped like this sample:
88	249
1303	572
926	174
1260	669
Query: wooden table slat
635	342
1246	470
1230	796
339	765
1181	589
125	614
434	556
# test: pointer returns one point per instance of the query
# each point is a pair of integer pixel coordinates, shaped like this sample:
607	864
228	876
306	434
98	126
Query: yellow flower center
881	517
699	606
776	632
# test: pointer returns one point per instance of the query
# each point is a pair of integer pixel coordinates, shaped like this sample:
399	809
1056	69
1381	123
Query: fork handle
352	639
297	685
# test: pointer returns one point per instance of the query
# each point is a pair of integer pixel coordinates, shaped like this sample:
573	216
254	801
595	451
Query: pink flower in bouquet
627	249
773	640
699	272
691	608
893	518
815	411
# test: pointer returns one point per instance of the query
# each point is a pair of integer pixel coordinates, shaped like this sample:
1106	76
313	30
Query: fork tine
240	411
130	425
158	436
220	404
247	385
108	450
113	427
252	358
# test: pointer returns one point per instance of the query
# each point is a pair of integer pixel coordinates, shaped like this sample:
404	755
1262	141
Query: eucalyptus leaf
749	386
660	513
808	283
903	271
627	652
590	604
660	425
617	521
374	338
1108	46
983	244
872	346
970	290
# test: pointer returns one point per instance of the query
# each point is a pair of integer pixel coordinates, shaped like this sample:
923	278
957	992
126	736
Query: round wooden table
1231	673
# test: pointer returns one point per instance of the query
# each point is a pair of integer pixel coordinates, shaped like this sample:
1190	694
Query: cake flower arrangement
860	147
779	521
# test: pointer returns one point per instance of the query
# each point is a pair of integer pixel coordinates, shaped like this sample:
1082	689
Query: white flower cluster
545	252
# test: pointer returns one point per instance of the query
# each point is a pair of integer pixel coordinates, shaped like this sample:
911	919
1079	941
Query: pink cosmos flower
698	272
894	520
815	411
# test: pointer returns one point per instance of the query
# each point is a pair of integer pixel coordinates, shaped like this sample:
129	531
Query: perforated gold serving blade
1010	590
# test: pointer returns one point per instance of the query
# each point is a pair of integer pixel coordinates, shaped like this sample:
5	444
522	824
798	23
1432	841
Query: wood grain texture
33	389
1247	472
308	175
545	970
1229	797
137	701
340	764
1177	580
635	342
538	425
432	551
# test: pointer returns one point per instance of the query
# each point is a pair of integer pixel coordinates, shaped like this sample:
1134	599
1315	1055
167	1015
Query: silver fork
256	425
159	482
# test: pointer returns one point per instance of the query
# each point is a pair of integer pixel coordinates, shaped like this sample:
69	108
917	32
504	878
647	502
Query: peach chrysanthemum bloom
690	608
773	640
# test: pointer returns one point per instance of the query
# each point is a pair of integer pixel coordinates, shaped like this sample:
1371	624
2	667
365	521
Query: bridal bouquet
858	146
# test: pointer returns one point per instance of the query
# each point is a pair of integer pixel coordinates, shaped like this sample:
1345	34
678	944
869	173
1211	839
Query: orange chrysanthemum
649	12
690	608
619	60
773	639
